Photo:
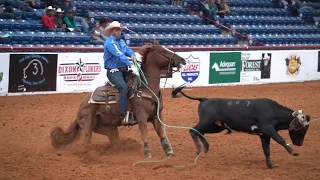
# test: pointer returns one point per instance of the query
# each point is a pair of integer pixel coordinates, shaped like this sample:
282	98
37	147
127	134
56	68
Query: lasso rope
158	116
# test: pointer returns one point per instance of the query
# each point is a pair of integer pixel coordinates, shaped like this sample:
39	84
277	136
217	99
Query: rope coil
158	116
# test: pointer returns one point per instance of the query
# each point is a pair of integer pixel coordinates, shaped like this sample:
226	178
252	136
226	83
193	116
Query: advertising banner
80	72
318	61
32	72
255	66
224	67
194	72
4	74
294	65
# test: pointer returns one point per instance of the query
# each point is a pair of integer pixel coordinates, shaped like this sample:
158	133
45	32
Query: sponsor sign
80	72
250	66
190	72
255	66
224	67
4	74
266	65
318	61
294	65
32	72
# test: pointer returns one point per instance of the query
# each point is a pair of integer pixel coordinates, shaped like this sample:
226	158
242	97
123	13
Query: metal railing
6	49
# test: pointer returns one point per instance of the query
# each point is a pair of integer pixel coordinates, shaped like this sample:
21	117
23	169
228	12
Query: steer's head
298	127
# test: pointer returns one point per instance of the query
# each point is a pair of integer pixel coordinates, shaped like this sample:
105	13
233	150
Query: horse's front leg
159	128
142	117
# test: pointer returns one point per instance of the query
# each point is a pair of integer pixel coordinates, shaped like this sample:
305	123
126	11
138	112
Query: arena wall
38	73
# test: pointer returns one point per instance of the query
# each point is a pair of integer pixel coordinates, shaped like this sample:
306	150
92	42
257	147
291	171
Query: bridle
170	70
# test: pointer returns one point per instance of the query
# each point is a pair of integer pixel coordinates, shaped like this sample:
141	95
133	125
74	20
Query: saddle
109	94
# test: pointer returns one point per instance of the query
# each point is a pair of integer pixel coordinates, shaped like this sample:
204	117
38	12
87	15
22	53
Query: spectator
48	21
36	4
7	13
97	37
204	7
294	6
71	22
66	6
59	21
213	8
222	11
103	24
22	5
225	7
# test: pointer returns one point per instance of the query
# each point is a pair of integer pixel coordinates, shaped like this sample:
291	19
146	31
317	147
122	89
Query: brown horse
98	112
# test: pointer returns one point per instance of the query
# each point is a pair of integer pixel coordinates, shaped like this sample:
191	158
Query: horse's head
163	57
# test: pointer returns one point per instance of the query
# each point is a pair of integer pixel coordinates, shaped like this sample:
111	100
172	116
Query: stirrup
126	118
132	96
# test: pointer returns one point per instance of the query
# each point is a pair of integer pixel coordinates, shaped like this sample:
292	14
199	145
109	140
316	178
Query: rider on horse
116	63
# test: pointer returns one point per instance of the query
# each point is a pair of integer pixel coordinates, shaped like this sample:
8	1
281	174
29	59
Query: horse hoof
170	153
148	155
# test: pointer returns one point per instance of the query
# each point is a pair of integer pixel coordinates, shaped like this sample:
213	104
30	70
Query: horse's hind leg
159	128
86	129
86	122
111	132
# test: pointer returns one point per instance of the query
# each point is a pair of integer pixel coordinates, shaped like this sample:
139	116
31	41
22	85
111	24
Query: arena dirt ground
25	151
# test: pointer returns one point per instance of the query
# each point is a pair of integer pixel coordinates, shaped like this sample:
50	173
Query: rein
170	71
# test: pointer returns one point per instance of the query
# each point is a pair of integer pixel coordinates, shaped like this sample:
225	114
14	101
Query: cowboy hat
114	24
59	10
49	8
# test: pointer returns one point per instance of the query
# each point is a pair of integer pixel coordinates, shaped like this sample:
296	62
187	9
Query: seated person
294	6
204	7
36	4
48	21
97	37
66	6
71	22
222	11
22	5
213	7
59	21
226	7
103	25
7	13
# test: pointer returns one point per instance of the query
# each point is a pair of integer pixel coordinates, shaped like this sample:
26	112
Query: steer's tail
179	89
59	138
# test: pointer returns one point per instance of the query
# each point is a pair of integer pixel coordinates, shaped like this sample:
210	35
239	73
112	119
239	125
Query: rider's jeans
117	78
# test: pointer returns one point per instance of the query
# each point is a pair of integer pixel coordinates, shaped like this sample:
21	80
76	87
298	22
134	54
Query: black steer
263	117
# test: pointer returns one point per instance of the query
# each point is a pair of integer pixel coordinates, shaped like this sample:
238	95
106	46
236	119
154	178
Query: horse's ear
155	42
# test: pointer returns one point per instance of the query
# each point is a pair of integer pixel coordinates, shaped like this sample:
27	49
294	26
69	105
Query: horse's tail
59	138
179	89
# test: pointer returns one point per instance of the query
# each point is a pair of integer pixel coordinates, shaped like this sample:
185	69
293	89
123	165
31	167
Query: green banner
224	67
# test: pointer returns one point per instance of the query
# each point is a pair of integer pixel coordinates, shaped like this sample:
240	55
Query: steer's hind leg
208	128
194	136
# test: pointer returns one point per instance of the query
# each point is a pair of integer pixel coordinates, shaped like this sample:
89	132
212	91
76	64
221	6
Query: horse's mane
145	49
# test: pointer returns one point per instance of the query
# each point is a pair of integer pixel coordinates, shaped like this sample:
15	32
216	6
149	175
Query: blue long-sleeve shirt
115	53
